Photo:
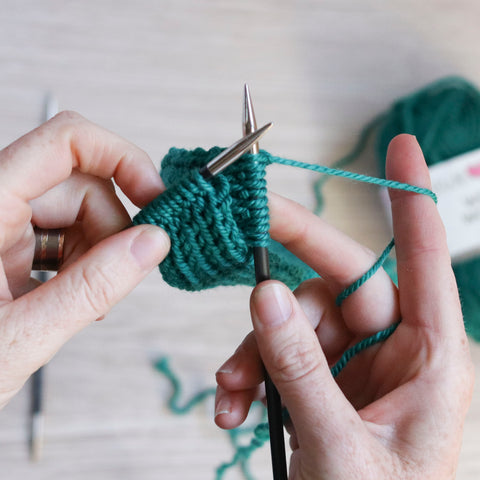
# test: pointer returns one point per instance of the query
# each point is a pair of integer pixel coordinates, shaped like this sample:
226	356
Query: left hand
60	176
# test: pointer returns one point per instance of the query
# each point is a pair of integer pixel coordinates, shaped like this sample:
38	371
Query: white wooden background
171	72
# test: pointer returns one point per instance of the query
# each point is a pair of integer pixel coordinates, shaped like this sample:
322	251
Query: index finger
46	156
428	291
338	259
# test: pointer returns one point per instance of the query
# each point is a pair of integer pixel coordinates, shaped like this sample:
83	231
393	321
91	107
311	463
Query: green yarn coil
445	118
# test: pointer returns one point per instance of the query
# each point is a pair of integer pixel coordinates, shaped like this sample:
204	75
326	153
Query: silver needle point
249	122
232	153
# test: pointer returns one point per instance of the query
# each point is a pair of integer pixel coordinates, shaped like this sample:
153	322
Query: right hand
397	409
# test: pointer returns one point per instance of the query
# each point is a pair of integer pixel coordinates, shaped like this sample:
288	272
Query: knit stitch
214	224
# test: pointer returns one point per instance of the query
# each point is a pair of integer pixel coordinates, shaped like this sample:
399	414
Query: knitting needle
232	153
229	155
50	109
36	416
262	273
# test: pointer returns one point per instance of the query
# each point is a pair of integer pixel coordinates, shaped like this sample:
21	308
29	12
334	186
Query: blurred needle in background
36	436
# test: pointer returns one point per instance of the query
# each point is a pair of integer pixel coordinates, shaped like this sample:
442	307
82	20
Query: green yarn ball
445	118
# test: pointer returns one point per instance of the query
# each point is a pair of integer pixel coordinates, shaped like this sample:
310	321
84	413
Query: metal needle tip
232	153
36	437
249	122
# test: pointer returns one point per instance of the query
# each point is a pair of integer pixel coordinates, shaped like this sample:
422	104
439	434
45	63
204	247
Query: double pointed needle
262	273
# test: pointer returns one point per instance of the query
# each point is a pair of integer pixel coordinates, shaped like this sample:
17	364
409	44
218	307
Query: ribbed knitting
214	224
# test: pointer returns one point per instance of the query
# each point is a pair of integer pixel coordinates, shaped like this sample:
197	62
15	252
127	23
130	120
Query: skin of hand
397	409
60	176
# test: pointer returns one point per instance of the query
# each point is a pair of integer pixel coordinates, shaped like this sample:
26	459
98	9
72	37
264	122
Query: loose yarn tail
243	452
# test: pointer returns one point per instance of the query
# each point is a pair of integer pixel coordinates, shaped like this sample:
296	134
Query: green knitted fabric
214	224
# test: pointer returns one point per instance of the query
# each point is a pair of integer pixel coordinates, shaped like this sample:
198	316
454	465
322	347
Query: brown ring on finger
49	246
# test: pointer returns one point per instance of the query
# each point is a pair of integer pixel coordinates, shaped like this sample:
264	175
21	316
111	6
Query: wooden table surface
171	72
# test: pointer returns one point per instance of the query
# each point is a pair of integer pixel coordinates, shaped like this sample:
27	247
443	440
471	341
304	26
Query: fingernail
272	304
223	406
150	246
227	367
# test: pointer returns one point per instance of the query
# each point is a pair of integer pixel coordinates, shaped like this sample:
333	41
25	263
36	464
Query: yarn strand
163	366
360	346
358	283
356	176
350	157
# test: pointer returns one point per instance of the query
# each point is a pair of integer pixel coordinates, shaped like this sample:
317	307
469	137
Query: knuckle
294	361
70	128
67	117
67	125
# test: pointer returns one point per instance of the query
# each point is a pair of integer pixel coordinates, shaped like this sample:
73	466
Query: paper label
457	184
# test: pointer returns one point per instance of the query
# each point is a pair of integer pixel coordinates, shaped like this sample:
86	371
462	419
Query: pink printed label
474	170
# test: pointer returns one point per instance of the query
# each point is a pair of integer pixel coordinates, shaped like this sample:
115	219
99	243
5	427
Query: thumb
295	361
45	318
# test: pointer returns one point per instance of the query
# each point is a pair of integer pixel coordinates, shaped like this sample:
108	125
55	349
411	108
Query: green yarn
214	224
345	161
163	365
360	346
445	118
356	176
358	283
259	434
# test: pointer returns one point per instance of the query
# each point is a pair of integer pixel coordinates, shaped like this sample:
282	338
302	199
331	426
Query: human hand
397	409
59	176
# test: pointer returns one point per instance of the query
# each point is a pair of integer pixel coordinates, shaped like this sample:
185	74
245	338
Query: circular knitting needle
262	273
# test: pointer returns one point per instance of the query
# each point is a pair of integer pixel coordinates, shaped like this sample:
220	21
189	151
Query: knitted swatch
214	224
